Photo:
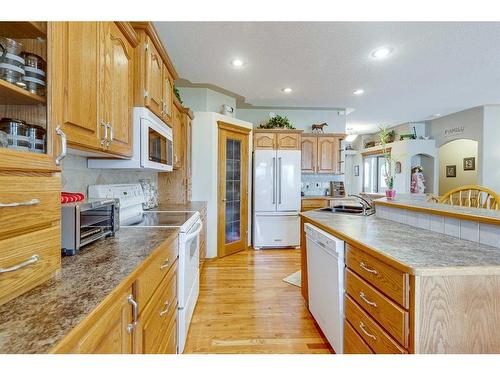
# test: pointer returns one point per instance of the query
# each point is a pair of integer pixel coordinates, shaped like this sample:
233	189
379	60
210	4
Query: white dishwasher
325	277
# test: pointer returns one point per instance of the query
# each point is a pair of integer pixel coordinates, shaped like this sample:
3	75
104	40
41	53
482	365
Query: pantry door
232	227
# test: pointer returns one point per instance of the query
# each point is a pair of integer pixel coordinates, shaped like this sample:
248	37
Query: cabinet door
167	95
287	141
187	157
264	141
109	335
79	72
154	76
117	89
309	147
328	153
177	130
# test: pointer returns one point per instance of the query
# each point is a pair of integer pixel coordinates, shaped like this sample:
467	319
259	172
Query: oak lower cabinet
321	153
112	333
313	204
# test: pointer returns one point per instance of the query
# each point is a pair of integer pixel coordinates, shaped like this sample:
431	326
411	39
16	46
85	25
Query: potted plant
390	193
277	122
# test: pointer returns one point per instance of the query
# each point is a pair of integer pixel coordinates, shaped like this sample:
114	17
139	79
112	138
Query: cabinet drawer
389	315
169	344
385	278
353	343
151	277
158	314
42	248
316	203
39	199
374	335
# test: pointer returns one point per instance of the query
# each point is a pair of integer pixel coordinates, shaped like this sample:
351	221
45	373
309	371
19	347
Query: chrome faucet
368	208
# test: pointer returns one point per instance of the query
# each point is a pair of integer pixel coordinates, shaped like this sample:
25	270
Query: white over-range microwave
152	145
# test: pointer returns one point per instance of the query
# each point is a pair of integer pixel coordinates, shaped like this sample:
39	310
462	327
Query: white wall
299	118
466	124
204	100
490	166
205	170
453	153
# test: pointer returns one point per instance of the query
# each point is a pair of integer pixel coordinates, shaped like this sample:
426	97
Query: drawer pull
167	308
363	297
34	258
362	327
32	202
165	264
135	306
367	269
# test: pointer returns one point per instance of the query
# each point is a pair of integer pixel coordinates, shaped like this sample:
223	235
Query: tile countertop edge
125	284
451	211
419	271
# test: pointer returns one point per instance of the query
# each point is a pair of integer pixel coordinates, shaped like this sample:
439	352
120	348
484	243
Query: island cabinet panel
371	332
389	315
389	280
353	343
457	313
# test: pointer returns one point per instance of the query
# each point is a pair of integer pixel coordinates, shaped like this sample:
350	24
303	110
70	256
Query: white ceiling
435	68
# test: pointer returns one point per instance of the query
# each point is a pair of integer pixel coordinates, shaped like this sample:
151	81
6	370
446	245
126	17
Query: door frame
245	132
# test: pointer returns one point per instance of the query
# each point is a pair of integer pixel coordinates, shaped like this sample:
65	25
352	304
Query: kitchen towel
67	197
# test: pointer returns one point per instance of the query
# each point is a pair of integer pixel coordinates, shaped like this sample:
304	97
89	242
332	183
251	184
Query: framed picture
451	171
356	170
398	167
469	164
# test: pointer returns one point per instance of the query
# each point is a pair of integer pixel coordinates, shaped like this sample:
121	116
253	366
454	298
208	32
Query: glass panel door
233	190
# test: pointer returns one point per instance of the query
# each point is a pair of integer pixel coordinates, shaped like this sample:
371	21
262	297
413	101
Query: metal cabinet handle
135	306
165	264
367	269
274	180
32	202
167	308
111	134
105	138
362	327
33	259
279	180
363	297
62	154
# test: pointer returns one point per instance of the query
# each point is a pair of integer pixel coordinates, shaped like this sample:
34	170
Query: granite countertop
415	250
189	206
37	320
420	203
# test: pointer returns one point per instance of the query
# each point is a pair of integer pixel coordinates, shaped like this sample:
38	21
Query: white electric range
190	226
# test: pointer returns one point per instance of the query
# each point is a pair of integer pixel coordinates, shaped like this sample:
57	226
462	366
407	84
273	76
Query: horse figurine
318	128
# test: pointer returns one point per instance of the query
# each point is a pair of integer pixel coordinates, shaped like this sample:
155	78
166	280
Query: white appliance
325	277
152	145
190	226
276	197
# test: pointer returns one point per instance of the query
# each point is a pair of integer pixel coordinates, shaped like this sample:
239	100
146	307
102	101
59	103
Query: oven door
189	265
157	151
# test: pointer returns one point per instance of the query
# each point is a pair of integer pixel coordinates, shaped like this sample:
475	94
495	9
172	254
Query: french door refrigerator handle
279	180
274	180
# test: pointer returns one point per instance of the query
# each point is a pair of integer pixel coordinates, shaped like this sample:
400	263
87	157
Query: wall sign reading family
454	131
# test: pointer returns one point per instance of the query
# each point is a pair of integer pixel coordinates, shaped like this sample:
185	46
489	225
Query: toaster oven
85	222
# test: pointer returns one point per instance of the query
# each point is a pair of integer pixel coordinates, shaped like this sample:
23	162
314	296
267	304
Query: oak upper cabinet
276	139
79	72
177	133
264	140
309	147
167	95
154	74
95	69
117	89
153	93
328	155
288	140
320	153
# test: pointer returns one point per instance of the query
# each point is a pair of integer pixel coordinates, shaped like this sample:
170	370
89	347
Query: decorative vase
390	193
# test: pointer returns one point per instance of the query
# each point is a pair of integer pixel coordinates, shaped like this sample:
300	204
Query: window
374	172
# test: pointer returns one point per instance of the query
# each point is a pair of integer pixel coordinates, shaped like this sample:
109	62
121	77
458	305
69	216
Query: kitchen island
38	320
427	292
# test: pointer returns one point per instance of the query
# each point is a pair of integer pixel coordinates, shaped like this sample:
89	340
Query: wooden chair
472	196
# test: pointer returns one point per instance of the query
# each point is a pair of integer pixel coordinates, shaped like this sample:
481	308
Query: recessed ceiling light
381	53
359	92
237	63
287	90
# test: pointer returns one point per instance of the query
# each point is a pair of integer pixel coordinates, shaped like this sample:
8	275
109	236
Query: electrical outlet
317	184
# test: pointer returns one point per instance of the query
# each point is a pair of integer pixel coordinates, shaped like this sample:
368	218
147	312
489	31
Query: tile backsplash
76	177
316	184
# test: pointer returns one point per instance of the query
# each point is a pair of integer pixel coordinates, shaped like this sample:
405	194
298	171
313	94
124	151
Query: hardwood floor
245	307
